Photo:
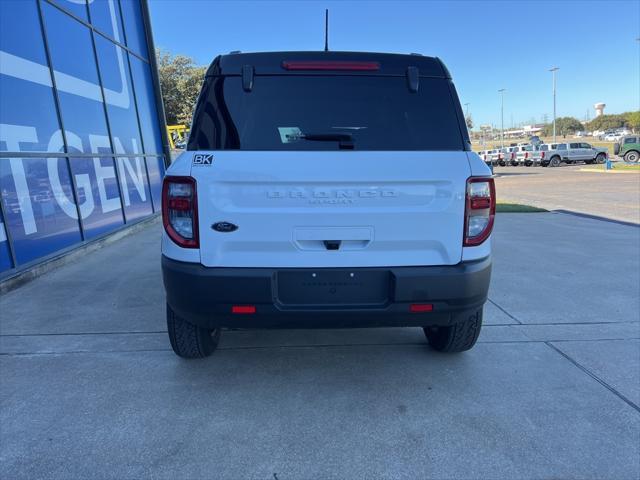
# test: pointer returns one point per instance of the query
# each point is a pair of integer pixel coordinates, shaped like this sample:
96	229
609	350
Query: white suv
327	189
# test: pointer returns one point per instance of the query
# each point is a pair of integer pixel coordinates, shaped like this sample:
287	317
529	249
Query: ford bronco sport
323	190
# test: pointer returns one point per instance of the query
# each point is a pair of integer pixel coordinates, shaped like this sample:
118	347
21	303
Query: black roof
271	63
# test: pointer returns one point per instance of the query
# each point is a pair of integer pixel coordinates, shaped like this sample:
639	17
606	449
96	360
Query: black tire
188	340
544	164
459	337
600	158
555	161
631	156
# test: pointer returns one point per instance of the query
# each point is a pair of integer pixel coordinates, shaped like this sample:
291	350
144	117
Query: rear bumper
205	296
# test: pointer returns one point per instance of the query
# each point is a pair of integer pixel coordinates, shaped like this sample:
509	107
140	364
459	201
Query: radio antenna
326	30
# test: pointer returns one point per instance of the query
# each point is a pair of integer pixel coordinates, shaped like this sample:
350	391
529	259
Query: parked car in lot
326	189
530	155
556	153
612	137
522	155
508	156
628	148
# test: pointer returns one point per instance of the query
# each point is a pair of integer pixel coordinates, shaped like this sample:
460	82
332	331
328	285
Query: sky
487	45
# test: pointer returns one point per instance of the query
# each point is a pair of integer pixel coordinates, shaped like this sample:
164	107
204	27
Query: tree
180	80
633	120
564	126
469	122
605	122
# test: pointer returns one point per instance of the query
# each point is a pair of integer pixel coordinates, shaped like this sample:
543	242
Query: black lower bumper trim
205	295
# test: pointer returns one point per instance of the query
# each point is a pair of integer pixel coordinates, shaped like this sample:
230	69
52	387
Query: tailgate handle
332	244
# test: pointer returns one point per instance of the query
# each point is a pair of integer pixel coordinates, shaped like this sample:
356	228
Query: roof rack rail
233	52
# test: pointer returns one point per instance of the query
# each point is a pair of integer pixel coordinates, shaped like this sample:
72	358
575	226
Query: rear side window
370	112
630	140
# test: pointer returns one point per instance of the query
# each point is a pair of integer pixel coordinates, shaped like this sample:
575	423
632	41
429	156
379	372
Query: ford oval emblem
224	227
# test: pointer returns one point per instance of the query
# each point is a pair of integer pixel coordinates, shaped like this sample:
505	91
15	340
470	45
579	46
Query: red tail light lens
480	210
526	155
336	65
542	154
421	307
180	211
246	309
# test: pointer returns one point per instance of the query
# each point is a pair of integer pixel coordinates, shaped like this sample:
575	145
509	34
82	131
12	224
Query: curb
60	259
595	170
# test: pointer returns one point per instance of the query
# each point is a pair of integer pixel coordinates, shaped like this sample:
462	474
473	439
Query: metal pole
638	40
553	71
501	91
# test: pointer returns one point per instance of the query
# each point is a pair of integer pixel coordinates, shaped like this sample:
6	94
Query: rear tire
631	156
459	337
188	340
555	162
600	158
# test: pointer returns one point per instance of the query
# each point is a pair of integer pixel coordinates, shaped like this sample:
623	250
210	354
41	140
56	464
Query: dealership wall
81	139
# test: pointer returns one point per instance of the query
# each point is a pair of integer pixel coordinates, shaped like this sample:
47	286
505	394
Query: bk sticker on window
200	159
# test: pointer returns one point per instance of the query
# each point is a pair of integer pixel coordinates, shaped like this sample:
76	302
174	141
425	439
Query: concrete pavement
615	197
90	387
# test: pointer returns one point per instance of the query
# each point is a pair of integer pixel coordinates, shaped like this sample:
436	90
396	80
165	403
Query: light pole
553	70
501	92
638	40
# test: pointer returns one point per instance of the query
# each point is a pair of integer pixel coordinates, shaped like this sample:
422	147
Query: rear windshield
297	112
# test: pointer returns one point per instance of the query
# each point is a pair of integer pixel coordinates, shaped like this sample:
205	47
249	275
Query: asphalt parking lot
607	195
91	389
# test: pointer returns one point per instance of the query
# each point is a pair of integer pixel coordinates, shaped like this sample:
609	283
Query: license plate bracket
333	287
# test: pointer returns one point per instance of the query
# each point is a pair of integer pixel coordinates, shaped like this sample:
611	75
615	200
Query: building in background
82	141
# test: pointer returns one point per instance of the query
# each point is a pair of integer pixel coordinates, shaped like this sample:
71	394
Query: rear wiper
345	140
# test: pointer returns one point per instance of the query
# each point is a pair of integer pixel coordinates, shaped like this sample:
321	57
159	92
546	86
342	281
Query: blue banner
103	104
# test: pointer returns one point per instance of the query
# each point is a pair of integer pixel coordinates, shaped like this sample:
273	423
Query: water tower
599	108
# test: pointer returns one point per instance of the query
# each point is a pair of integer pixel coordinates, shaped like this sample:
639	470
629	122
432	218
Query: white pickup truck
327	189
556	153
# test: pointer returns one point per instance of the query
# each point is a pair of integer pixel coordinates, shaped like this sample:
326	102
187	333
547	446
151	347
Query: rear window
366	112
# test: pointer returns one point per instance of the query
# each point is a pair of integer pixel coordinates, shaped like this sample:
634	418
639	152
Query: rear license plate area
333	288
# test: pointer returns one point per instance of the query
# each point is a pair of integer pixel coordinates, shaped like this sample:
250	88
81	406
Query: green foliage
564	126
604	122
181	81
469	122
633	119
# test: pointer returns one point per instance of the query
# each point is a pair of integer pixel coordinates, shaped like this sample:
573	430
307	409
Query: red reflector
243	309
477	203
182	204
421	307
320	65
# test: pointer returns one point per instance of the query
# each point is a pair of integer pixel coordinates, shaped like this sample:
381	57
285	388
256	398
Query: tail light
542	155
499	156
180	211
480	210
513	155
526	155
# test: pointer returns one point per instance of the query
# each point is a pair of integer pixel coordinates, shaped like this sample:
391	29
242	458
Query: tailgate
331	208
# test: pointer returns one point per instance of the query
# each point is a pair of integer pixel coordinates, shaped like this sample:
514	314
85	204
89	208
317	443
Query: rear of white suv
326	189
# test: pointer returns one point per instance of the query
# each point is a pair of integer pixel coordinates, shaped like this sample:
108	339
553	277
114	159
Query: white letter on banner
82	181
13	135
137	175
103	172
